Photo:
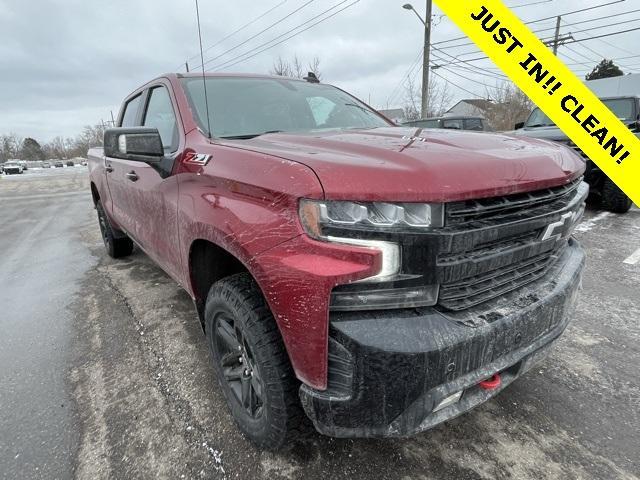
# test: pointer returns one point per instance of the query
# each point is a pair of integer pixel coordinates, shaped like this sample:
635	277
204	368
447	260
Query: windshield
247	107
623	108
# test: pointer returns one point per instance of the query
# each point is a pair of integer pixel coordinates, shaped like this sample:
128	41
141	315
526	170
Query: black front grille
491	208
501	244
480	288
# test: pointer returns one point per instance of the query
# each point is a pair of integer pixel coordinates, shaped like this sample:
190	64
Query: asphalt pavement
42	264
104	370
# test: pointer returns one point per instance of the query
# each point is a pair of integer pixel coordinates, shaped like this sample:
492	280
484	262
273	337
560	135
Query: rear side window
131	112
452	124
473	124
428	124
160	115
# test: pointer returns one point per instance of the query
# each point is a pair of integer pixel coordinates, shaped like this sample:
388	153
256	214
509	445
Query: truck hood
410	164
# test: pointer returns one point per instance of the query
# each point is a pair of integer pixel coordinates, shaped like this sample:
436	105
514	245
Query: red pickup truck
375	279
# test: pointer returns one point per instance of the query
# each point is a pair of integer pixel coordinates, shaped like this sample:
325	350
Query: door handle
132	176
108	169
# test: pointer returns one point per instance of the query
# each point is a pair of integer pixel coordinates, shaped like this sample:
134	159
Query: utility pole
556	39
425	61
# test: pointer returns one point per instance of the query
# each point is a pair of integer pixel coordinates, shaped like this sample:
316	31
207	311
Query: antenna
204	82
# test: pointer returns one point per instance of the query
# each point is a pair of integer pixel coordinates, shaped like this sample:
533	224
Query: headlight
341	221
372	216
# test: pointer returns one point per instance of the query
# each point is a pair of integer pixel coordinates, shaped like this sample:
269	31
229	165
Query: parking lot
104	370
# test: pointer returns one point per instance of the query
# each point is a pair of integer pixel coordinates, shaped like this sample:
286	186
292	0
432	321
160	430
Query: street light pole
425	61
426	55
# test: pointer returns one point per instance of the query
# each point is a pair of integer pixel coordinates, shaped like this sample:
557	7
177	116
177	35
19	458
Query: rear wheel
117	245
614	199
251	363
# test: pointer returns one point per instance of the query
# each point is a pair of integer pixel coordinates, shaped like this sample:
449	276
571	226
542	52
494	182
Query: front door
148	194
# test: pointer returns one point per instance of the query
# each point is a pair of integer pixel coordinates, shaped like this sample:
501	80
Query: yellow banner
552	86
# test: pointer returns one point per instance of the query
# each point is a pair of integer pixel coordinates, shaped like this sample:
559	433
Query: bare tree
13	146
294	68
439	99
411	107
509	106
314	67
56	148
10	145
91	136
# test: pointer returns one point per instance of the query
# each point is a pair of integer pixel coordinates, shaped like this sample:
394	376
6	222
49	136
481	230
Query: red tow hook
491	383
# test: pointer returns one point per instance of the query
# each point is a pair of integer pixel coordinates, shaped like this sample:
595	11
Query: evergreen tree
605	69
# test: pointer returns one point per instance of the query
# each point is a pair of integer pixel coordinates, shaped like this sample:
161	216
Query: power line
541	19
470	68
480	72
605	26
456	85
404	77
309	2
552	28
466	78
529	4
230	63
604	36
575	40
259	17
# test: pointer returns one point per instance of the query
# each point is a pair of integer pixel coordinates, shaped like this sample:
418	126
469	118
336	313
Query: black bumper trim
406	361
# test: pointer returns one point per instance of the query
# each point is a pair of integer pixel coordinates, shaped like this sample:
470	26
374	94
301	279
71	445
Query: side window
428	124
131	112
452	124
473	124
160	115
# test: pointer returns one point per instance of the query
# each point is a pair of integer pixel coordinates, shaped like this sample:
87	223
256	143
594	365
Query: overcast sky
68	63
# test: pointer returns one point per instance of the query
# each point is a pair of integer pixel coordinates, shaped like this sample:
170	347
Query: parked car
455	123
342	269
46	165
59	164
627	109
13	168
70	163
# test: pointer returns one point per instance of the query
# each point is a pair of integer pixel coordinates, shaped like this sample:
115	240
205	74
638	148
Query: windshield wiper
359	107
541	125
249	136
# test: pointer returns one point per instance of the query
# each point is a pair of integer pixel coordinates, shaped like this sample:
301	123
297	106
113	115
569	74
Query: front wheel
251	363
614	199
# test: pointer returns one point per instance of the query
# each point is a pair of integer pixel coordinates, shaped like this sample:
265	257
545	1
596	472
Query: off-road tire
614	199
280	420
117	246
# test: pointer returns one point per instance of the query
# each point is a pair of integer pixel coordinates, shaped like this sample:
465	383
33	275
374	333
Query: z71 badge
198	158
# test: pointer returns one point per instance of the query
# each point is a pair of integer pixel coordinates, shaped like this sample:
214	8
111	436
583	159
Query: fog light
386	298
447	401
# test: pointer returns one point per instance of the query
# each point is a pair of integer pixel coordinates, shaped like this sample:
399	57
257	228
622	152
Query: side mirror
140	144
518	126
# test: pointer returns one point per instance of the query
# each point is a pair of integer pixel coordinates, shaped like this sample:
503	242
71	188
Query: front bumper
389	370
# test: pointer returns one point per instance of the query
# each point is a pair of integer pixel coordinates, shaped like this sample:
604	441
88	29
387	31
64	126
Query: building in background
472	107
394	114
